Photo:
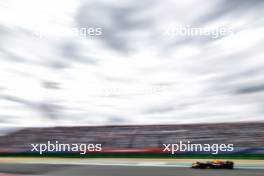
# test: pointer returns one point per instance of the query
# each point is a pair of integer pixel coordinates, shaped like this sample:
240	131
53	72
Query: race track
107	170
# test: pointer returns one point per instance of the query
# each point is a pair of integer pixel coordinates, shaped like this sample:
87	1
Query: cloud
71	51
231	8
133	73
117	21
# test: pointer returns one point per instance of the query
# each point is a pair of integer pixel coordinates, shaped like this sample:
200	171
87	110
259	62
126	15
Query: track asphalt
117	168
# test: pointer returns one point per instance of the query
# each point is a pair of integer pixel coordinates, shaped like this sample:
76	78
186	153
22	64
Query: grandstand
150	136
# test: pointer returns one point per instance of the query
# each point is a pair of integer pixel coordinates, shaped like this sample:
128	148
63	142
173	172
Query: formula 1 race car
216	164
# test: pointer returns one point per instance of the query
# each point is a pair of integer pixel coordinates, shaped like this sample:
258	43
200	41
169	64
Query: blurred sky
133	73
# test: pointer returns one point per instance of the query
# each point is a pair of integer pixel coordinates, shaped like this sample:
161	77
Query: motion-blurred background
137	70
